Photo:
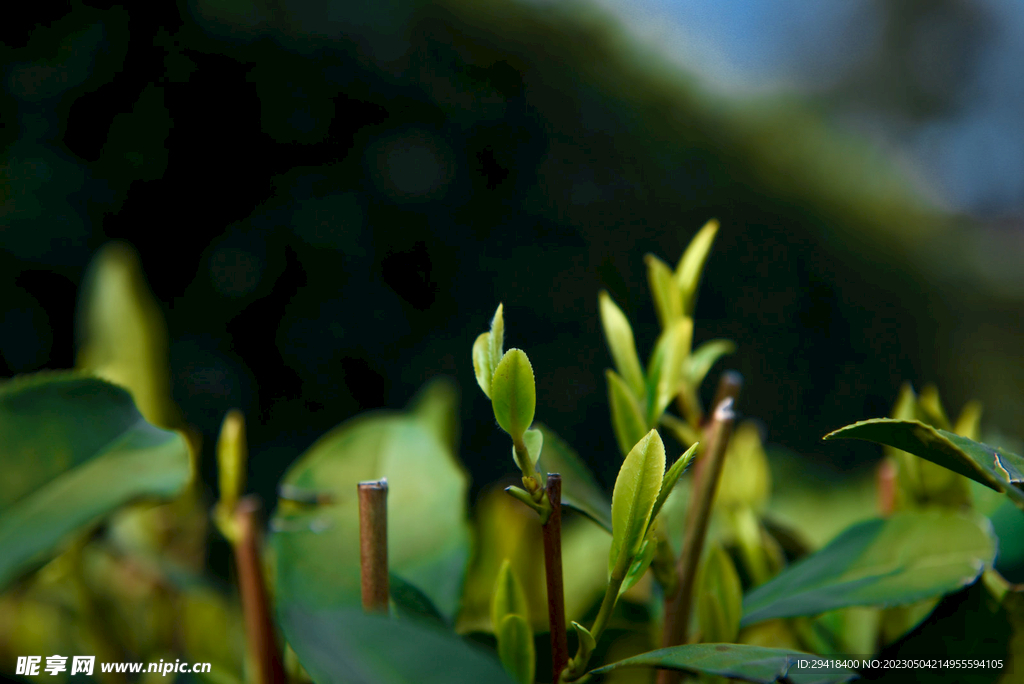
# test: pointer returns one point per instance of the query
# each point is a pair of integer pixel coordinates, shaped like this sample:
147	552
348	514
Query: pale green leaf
619	336
691	265
642	561
672	477
509	597
496	341
703	358
627	418
719	597
513	394
636	490
482	366
666	369
668	300
534	440
515	648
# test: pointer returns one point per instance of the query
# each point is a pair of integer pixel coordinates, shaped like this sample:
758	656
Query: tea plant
378	574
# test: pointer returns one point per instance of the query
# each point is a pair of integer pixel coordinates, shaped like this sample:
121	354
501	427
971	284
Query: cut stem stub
373	544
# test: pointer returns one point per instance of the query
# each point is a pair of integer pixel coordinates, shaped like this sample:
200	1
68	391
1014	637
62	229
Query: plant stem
679	606
373	544
259	626
578	665
729	386
553	569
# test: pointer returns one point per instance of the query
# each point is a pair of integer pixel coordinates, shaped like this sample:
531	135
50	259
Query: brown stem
679	606
373	544
553	570
887	487
255	605
729	386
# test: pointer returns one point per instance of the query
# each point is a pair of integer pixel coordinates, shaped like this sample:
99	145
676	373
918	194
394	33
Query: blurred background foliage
328	200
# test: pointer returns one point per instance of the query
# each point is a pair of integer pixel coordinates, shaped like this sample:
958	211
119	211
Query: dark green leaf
411	602
737	661
580	490
346	646
905	558
995	468
74	449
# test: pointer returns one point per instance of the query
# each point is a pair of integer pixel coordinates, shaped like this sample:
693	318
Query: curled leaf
534	440
515	648
720	598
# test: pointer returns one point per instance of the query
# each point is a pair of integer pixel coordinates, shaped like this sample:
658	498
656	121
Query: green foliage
636	490
898	560
995	468
75	449
737	661
428	532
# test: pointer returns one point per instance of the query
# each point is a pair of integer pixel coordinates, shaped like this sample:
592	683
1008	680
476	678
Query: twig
255	605
373	544
679	606
553	570
729	386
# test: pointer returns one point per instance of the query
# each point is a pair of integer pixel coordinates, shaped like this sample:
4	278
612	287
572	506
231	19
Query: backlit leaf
668	301
627	417
619	336
691	265
513	394
636	490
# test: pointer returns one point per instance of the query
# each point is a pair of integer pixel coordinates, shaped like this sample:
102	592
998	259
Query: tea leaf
347	646
587	641
672	477
315	544
666	370
75	449
636	490
580	490
641	562
621	345
691	265
515	648
703	358
411	602
508	598
534	440
667	297
482	366
756	664
627	417
905	558
995	468
123	337
513	394
720	597
496	341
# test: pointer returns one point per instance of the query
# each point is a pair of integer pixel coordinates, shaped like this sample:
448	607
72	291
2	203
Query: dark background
330	201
